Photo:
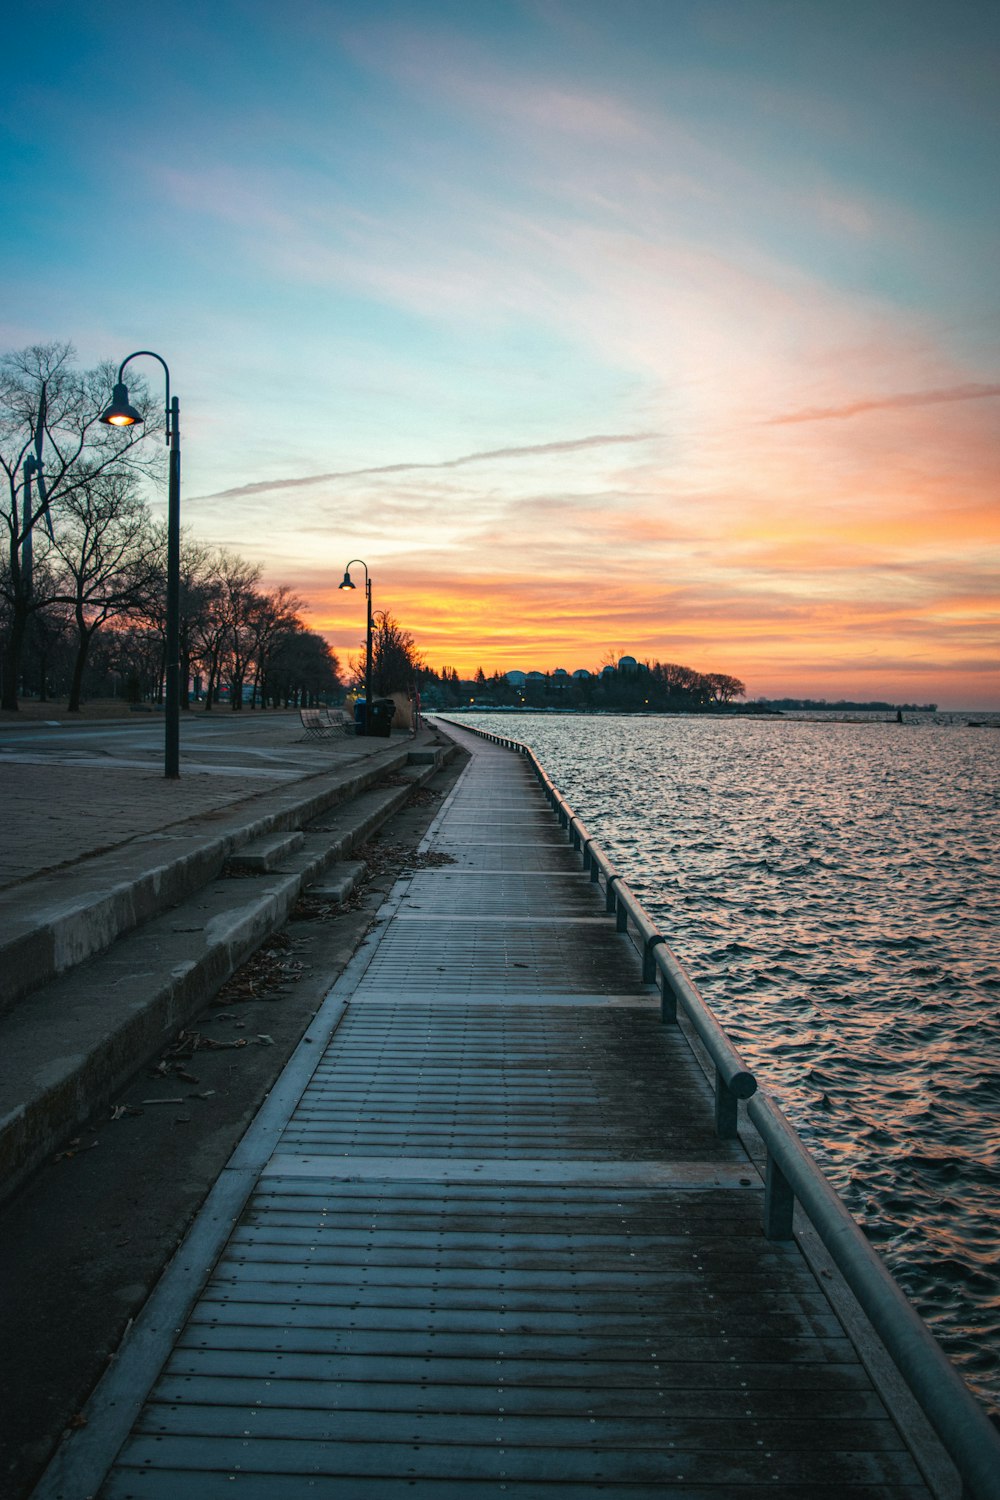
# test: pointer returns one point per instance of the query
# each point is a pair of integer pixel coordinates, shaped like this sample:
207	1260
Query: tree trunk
185	677
12	655
76	689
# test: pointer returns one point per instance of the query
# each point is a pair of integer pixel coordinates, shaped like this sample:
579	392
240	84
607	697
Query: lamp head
347	584
121	413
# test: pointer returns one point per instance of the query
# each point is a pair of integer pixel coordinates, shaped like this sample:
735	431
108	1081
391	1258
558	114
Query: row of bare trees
82	577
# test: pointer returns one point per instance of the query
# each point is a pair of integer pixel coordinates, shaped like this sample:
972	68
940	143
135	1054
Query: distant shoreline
973	718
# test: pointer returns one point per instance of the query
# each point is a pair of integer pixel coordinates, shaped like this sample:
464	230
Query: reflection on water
832	888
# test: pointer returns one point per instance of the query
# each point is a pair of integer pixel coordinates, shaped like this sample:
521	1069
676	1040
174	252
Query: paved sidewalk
71	791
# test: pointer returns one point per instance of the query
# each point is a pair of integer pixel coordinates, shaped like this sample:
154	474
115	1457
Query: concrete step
66	1048
263	855
57	920
338	882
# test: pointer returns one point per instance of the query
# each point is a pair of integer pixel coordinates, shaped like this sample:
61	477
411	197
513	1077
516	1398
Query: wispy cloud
567	445
887	403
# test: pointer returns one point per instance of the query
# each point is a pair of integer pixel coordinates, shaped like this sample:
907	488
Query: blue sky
383	237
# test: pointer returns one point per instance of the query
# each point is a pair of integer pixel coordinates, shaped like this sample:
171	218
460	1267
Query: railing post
727	1113
779	1202
610	900
649	957
668	1001
621	914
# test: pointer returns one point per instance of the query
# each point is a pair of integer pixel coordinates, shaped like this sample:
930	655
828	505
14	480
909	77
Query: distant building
536	677
581	673
516	678
628	666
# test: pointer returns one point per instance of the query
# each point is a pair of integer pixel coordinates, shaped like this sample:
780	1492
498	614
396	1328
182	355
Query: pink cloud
897	401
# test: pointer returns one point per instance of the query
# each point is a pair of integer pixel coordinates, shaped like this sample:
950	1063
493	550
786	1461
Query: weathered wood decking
498	1249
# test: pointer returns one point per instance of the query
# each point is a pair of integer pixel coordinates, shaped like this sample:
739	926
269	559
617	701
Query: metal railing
791	1174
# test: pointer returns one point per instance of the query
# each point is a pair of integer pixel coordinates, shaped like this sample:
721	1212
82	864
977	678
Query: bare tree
395	658
237	604
274	613
722	688
43	398
301	667
108	554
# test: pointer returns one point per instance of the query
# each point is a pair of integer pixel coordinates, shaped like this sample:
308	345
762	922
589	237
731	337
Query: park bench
321	723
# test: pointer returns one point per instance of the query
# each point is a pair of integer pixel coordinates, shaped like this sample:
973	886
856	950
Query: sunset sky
660	326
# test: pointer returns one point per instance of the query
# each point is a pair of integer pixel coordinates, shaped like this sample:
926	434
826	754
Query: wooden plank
167	1484
704	1400
713	1374
513	1344
245	1284
407	1459
594	1428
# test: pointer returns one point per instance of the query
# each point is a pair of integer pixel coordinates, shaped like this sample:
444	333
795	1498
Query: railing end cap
743	1085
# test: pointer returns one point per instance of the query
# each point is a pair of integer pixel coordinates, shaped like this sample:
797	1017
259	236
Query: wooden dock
495	1246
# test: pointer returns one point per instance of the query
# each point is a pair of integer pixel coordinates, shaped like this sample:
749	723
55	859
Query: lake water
832	889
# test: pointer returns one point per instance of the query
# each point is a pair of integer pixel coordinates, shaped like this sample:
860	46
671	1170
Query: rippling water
832	888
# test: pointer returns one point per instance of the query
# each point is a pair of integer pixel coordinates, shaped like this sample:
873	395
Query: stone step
338	882
55	921
67	1047
263	855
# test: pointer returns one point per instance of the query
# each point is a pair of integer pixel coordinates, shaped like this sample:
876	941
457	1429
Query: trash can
360	716
381	717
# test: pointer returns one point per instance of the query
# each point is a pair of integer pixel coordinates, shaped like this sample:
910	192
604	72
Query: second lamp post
347	584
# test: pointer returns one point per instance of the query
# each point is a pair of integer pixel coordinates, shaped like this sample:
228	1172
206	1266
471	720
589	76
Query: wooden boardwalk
497	1249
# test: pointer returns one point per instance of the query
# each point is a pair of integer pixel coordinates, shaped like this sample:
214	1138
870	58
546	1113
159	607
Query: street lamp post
347	584
121	413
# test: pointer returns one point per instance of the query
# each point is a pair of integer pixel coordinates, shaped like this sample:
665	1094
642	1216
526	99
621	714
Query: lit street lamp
121	413
347	584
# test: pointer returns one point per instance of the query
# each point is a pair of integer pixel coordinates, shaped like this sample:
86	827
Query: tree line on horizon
657	686
83	574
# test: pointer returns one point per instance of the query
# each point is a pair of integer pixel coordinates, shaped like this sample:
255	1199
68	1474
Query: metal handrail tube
734	1071
602	862
582	831
582	840
606	871
963	1428
640	917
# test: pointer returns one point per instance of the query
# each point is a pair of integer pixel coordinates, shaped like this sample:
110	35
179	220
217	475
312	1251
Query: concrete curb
68	1047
